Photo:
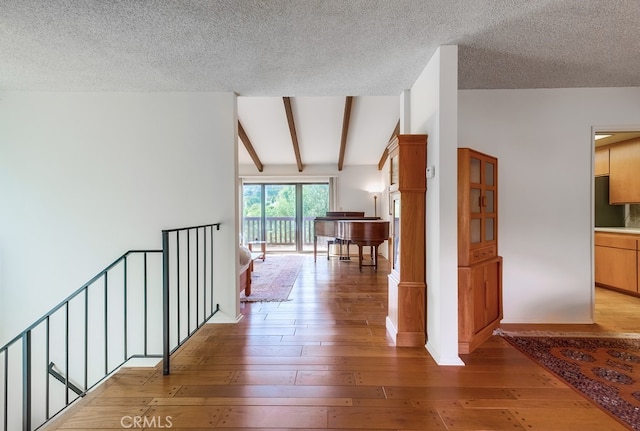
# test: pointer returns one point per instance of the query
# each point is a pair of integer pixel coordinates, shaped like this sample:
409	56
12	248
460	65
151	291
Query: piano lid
344	214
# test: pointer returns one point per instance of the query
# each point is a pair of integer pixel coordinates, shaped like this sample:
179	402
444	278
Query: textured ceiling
304	48
311	47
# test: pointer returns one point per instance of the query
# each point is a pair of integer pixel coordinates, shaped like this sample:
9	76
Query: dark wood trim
345	130
247	144
383	159
292	130
385	153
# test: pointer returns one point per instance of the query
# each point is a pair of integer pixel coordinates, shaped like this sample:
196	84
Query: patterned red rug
605	370
273	278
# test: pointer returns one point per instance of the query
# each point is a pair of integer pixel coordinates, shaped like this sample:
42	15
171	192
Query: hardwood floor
323	361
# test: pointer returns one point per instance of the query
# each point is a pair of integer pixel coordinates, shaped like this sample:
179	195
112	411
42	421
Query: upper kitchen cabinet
624	178
601	162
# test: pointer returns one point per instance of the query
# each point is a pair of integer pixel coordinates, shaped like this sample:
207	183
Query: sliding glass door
282	214
252	213
315	203
280	217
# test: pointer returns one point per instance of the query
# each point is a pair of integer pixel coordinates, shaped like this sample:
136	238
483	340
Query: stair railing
188	257
145	304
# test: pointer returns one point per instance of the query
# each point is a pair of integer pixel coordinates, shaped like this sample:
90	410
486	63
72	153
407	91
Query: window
282	214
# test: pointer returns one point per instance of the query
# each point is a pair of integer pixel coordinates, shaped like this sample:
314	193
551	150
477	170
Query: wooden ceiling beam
345	130
247	144
385	153
292	130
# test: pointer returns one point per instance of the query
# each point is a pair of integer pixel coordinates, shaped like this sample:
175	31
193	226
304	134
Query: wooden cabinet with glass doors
479	266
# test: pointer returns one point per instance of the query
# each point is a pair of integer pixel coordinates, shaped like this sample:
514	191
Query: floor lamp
375	203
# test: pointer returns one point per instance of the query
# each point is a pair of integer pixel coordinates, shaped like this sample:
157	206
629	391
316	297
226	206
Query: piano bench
339	242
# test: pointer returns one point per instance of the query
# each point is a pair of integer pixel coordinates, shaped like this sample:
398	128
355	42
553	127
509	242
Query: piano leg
374	257
315	247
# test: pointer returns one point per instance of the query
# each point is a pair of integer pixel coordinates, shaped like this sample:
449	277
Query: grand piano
352	227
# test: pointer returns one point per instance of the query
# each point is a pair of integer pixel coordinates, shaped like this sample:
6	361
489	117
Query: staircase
145	304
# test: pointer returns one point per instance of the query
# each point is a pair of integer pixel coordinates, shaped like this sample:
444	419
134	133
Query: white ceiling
318	124
314	48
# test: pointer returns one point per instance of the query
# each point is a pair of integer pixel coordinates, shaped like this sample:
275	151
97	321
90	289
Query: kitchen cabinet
479	266
624	165
601	162
616	260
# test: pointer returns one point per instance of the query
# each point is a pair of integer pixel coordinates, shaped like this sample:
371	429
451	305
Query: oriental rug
604	369
273	278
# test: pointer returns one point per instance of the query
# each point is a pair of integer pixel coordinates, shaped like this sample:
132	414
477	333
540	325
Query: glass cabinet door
477	207
482	200
489	229
476	231
475	200
489	176
488	201
474	171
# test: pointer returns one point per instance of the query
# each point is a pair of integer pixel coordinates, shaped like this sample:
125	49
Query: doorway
616	216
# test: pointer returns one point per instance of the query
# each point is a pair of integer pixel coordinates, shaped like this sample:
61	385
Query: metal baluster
188	286
126	321
197	277
146	308
106	326
204	280
211	269
178	284
26	381
66	354
86	339
6	389
47	360
165	303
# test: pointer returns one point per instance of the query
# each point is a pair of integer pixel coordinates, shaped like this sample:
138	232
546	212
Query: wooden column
407	285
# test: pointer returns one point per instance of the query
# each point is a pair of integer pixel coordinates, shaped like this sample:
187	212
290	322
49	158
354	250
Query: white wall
433	110
85	177
353	184
353	187
543	140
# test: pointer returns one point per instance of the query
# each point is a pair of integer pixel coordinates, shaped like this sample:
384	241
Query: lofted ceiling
316	53
320	128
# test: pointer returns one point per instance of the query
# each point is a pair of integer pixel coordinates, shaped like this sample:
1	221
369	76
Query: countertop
630	230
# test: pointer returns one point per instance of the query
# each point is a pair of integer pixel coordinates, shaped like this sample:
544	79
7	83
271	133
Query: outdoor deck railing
278	230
